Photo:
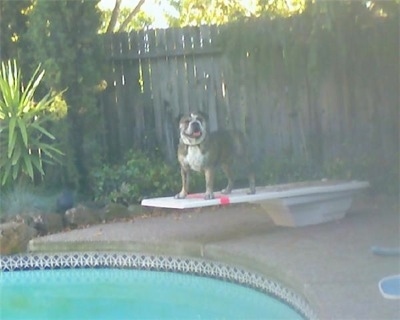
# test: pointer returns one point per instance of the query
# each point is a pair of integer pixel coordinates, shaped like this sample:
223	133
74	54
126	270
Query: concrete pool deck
330	264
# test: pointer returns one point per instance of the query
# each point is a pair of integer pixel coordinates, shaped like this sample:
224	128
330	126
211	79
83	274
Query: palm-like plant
23	146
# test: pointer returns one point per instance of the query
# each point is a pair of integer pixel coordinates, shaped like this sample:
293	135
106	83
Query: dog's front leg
185	184
209	175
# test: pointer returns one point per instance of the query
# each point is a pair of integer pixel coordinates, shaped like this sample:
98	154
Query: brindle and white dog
200	150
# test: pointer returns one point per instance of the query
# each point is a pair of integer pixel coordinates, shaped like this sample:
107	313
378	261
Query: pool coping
188	249
202	267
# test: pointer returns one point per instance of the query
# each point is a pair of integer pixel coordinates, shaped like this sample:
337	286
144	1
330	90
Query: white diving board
291	205
299	189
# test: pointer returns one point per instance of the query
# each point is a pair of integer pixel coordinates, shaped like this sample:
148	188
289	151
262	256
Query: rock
54	222
48	223
14	237
26	218
135	209
39	225
83	216
114	211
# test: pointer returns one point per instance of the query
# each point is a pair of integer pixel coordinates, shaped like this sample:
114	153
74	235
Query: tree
123	19
198	12
62	35
13	23
280	8
139	22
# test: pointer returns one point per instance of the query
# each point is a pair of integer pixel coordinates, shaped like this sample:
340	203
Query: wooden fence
156	76
342	103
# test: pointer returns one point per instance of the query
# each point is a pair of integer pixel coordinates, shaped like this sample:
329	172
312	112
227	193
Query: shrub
24	137
143	176
137	177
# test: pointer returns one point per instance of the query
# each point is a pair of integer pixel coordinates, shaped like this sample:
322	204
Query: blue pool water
130	294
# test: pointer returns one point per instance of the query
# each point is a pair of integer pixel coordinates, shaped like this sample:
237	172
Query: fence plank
182	76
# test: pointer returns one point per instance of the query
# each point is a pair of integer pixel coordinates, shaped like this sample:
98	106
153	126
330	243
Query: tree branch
131	15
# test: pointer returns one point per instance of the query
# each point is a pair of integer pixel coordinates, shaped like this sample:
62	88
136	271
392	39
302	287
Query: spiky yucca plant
24	140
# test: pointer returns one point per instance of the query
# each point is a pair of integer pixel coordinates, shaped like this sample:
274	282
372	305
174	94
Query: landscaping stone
114	211
48	223
82	216
14	237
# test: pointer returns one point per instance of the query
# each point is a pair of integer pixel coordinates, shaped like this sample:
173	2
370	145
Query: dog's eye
185	121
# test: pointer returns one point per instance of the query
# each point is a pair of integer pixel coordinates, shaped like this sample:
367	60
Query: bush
24	141
137	177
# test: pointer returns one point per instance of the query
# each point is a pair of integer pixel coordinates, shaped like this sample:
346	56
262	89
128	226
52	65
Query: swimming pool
125	286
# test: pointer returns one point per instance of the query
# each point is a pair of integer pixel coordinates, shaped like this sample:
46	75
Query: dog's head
193	128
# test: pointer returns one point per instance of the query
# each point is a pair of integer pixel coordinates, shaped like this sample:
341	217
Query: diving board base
294	204
307	210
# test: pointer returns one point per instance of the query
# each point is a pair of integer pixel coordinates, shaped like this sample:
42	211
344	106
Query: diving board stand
293	204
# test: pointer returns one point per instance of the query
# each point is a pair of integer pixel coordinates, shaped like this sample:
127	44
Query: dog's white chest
195	158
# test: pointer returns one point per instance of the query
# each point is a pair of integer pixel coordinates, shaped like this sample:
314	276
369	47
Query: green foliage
280	8
63	36
200	12
138	176
210	12
25	141
139	22
13	24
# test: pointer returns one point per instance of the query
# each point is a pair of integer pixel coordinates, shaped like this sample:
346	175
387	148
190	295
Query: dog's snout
196	126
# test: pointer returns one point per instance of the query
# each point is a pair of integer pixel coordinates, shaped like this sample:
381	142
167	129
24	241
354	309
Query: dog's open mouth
196	134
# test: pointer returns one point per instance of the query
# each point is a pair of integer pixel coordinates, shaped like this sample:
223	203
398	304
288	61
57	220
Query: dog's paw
226	191
180	196
208	196
251	191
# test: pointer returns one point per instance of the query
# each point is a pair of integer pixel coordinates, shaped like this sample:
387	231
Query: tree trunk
114	16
